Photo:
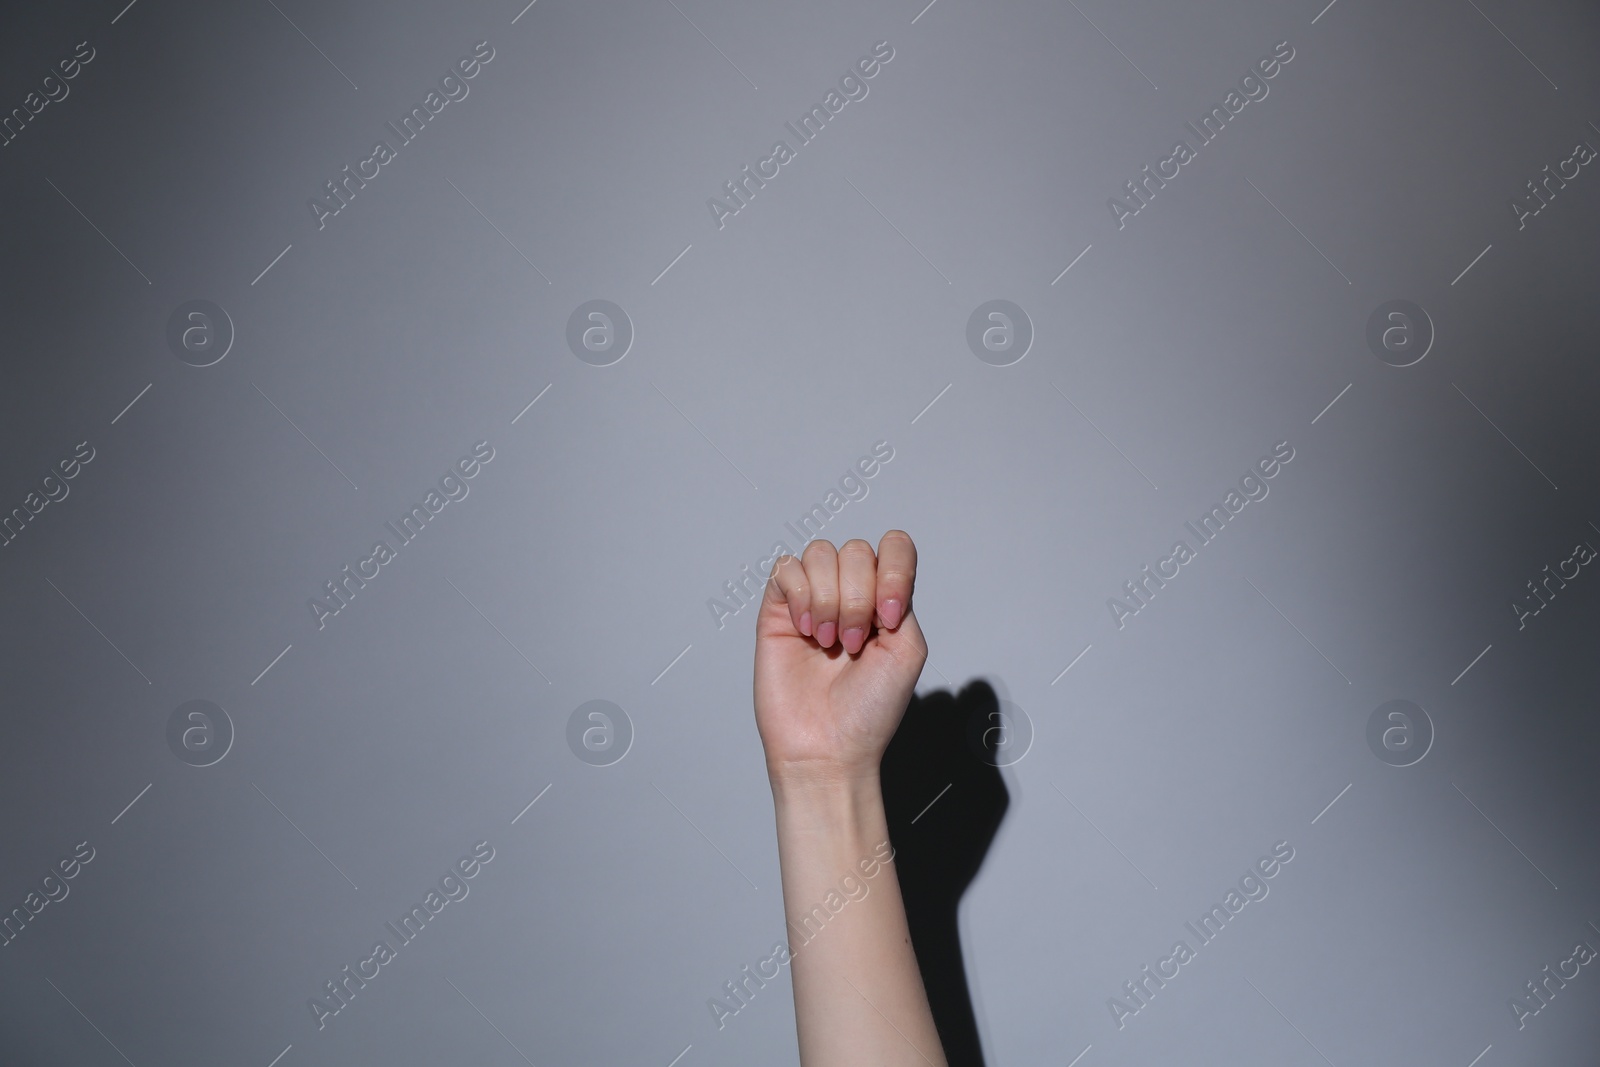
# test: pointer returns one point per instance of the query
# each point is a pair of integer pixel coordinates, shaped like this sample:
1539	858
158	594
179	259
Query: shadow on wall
939	848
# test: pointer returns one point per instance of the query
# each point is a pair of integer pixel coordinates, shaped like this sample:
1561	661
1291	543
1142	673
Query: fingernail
853	639
825	633
805	623
892	610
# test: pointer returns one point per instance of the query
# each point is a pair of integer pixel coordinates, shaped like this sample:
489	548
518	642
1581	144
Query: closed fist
838	655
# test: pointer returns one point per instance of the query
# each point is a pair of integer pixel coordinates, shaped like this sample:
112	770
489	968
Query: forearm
858	993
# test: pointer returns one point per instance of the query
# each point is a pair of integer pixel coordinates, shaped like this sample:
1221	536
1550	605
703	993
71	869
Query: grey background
827	315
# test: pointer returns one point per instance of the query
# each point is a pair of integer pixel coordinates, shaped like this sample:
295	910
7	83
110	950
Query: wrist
839	805
822	780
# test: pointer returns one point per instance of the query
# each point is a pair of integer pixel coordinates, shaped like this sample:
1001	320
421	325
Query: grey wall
340	766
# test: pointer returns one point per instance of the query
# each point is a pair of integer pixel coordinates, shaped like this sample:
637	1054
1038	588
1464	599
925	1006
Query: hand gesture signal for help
838	655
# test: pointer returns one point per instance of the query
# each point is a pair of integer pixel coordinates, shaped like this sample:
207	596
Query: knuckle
816	547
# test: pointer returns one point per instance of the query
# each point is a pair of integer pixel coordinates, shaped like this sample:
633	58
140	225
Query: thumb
905	649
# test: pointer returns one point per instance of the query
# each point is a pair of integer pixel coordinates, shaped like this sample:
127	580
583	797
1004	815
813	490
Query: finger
822	572
897	575
858	577
787	586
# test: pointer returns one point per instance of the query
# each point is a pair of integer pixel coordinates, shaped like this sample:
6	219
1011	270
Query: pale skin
838	655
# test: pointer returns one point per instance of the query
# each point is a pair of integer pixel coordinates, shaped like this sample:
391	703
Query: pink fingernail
825	633
891	613
853	639
805	623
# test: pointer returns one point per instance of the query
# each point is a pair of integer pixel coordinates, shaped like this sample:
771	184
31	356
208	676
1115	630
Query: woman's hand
838	655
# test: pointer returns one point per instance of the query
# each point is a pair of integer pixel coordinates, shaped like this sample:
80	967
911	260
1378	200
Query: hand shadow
939	846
